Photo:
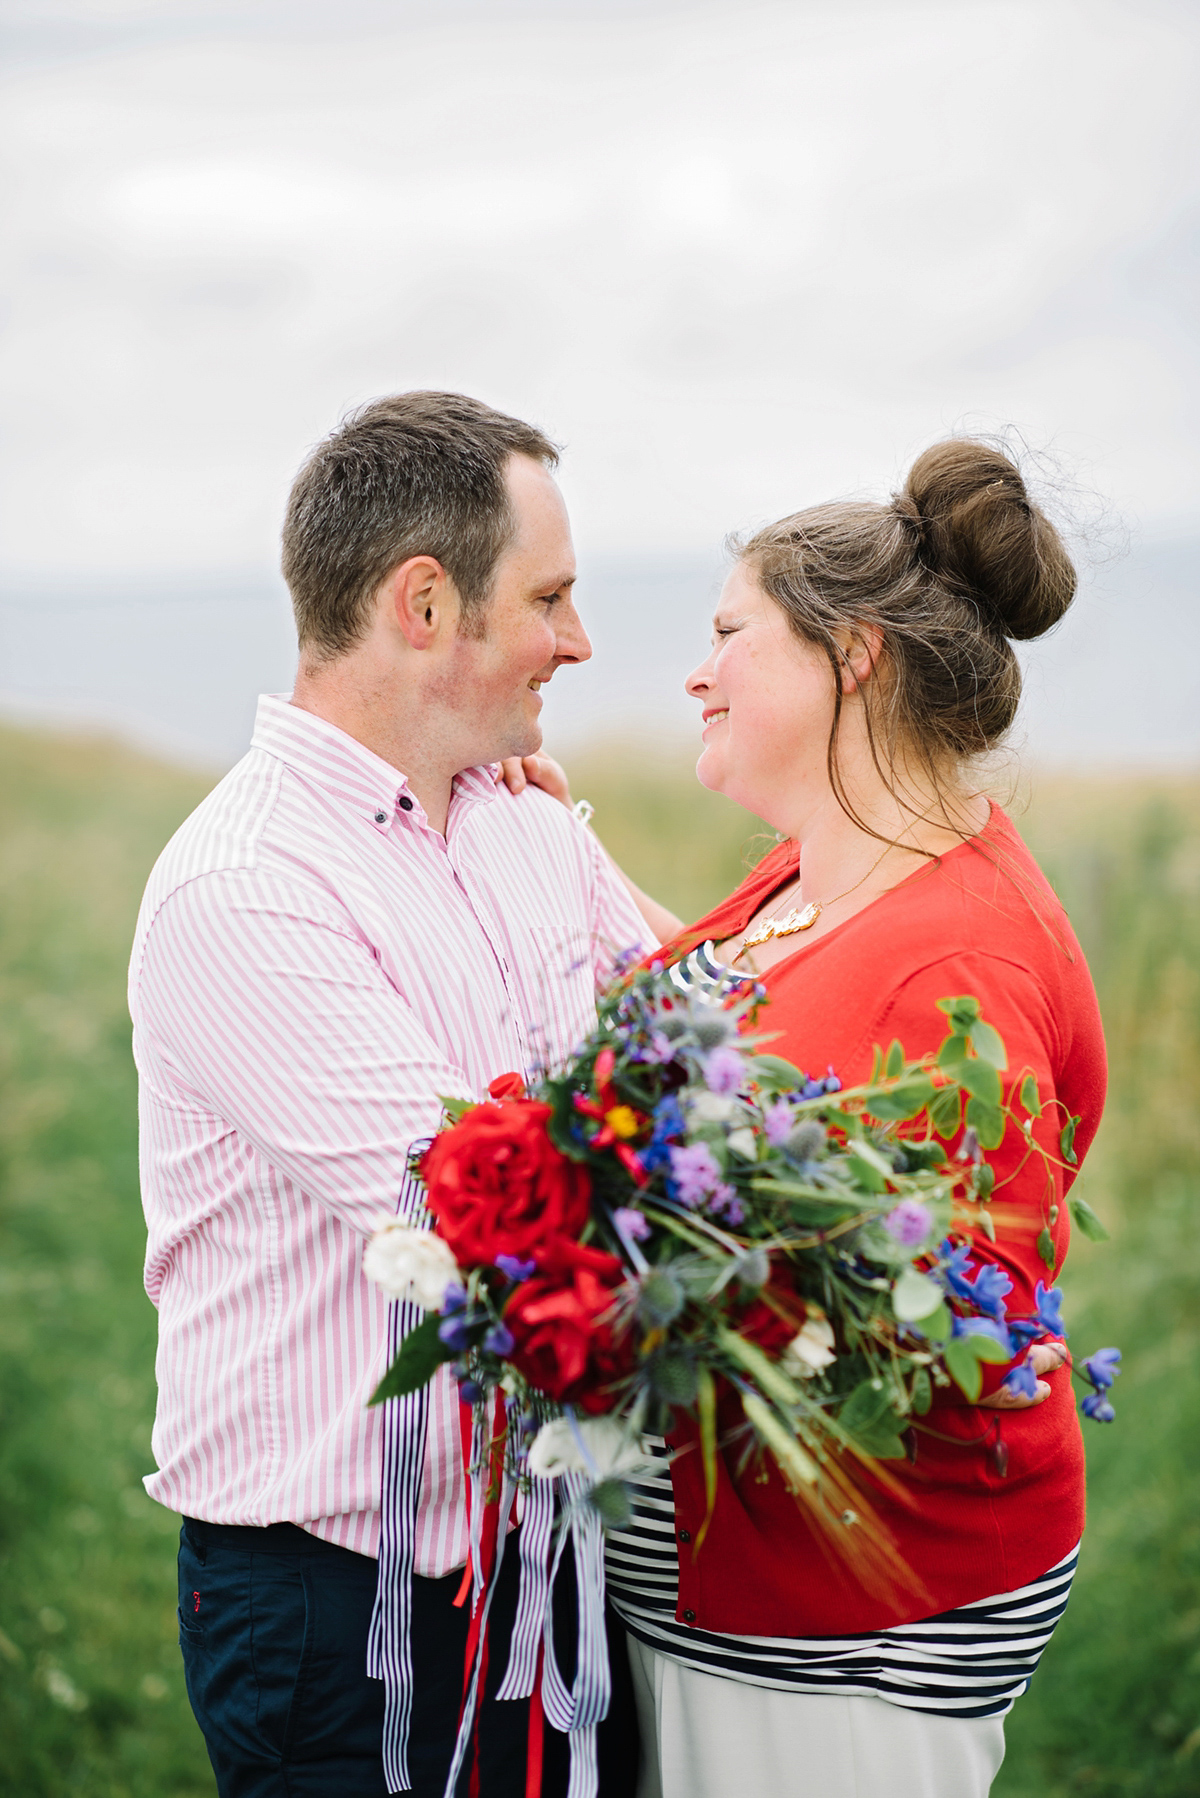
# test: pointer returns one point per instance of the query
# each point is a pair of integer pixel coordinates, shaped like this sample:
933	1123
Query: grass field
91	1695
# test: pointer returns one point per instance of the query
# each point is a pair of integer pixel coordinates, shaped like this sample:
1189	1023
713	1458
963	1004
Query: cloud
738	258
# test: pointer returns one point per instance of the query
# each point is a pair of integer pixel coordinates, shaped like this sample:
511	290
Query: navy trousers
273	1627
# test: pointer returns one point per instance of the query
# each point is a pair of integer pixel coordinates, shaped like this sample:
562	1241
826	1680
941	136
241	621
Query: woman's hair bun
980	534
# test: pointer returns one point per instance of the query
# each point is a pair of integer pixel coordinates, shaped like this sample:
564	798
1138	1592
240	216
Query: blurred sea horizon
174	665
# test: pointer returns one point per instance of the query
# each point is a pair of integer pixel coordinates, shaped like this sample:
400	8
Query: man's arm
260	1002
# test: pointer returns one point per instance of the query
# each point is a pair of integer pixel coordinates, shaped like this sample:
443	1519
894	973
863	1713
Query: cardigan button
685	1535
689	1616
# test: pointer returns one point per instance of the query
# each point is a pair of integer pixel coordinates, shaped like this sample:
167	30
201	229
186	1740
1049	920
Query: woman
861	661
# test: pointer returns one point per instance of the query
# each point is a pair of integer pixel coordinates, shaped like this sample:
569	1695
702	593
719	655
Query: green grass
91	1695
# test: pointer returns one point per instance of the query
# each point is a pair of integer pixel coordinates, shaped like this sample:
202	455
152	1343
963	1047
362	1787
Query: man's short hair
418	474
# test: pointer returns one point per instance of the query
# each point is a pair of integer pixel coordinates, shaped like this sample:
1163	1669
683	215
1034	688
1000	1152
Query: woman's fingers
518	772
1043	1358
1004	1400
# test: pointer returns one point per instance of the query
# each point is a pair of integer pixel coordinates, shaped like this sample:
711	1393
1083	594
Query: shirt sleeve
1030	1189
259	1001
619	932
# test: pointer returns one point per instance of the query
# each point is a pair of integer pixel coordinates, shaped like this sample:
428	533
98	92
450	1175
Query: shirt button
689	1616
406	803
381	817
685	1535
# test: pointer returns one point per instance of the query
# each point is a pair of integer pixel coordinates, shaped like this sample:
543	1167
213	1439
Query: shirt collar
343	766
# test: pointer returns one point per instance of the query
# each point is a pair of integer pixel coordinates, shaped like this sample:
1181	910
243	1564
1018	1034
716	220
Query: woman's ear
861	649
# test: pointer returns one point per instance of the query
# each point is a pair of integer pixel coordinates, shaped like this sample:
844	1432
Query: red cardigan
982	921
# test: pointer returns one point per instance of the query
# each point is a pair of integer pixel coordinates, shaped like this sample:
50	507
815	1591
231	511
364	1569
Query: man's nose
573	643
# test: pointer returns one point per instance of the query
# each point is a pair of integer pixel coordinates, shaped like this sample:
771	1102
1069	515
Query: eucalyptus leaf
1045	1248
962	1013
1067	1140
773	1074
421	1354
988	1044
987	1121
952	1053
894	1064
981	1081
915	1296
945	1112
963	1366
866	1406
938	1325
906	1100
1030	1097
986	1348
922	1391
1087	1220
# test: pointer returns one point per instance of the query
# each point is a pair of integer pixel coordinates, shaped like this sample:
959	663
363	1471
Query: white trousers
706	1737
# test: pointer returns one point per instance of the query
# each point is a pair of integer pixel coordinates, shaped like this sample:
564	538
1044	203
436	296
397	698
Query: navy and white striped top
974	1661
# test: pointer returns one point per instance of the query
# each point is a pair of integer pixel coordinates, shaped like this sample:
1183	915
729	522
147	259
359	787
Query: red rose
498	1186
565	1343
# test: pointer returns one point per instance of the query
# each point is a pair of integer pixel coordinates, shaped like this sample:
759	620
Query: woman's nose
699	680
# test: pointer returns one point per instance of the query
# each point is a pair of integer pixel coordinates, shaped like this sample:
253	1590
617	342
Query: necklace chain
805	916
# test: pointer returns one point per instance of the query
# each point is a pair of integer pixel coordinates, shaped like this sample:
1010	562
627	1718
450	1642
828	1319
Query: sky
735	258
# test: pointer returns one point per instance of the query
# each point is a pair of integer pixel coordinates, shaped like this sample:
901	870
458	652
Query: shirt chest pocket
562	991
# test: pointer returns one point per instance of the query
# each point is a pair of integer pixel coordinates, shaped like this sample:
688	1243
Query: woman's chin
709	771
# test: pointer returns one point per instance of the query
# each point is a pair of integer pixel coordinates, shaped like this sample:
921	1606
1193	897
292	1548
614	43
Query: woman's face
768	700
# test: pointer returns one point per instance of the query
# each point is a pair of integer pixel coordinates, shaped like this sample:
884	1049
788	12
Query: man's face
530	625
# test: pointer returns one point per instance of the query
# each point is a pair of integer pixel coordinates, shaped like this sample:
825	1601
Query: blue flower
668	1124
470	1392
1023	1331
455	1331
1022	1381
1102	1369
984	1326
986	1291
1049	1309
513	1268
455	1300
831	1082
1096	1406
498	1341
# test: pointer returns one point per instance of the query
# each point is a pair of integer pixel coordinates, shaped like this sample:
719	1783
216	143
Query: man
357	921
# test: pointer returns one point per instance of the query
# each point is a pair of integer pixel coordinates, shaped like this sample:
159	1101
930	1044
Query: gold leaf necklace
803	917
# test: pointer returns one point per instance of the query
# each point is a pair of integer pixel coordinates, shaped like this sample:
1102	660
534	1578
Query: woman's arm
544	772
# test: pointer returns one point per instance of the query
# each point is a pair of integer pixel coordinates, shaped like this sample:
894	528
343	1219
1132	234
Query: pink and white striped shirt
313	966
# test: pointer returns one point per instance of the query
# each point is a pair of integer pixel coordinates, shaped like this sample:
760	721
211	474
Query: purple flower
1102	1369
724	1070
725	1203
908	1223
694	1171
777	1120
1049	1309
1022	1381
1097	1407
455	1300
968	1149
831	1082
514	1268
470	1392
499	1339
631	1223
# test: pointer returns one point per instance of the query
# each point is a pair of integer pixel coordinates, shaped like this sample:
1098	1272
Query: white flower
411	1264
711	1108
743	1143
599	1446
812	1350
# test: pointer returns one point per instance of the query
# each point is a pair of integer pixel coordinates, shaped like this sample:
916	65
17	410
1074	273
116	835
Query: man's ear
861	649
420	601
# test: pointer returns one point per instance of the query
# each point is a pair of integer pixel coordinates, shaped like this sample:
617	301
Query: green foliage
421	1354
91	1687
87	1585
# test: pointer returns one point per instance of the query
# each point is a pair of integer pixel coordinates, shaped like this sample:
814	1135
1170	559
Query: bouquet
679	1216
